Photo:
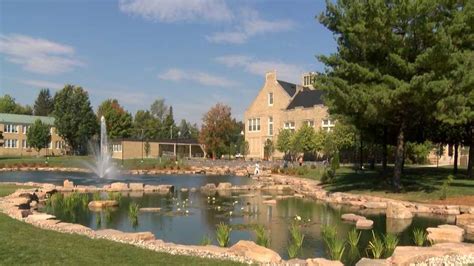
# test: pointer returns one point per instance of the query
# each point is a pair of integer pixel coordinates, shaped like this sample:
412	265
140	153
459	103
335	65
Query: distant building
15	141
283	105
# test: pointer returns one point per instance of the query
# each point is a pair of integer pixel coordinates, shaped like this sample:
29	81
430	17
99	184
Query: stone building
283	105
14	128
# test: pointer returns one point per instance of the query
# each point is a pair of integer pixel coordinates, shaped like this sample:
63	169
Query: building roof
162	141
290	88
306	98
25	119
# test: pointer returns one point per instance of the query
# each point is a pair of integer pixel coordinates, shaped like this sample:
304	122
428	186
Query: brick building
280	104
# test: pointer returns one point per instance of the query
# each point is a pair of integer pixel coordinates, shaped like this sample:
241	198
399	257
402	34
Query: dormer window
270	98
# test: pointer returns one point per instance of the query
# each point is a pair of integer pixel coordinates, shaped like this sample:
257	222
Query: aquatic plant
419	236
223	234
293	250
353	238
56	200
117	196
376	246
133	210
335	246
263	238
296	235
98	219
96	196
206	240
391	242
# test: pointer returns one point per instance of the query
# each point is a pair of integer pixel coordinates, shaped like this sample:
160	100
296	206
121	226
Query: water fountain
103	164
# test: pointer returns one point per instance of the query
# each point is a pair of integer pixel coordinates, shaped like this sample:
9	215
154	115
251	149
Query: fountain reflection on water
103	166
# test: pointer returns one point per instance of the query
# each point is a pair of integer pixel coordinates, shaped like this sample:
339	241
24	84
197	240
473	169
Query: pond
186	217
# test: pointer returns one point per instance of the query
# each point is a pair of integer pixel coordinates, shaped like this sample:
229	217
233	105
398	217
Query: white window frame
117	147
270	99
11	143
327	124
309	123
254	124
289	125
10	128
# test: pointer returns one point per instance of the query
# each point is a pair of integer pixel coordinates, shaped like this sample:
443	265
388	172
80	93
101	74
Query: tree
118	121
169	129
268	149
147	148
159	109
144	122
389	68
10	106
303	140
216	131
44	104
38	135
283	143
75	120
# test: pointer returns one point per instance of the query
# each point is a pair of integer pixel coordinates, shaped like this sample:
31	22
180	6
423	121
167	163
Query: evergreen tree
38	136
169	129
144	122
75	120
44	104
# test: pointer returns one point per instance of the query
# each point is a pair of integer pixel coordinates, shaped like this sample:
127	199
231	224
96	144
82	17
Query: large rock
323	262
255	252
445	234
396	226
408	255
372	262
270	202
95	204
209	186
397	210
136	186
119	235
463	220
119	186
150	209
68	184
364	224
375	205
40	217
351	217
224	186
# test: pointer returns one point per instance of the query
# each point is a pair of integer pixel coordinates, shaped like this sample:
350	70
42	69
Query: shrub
445	187
223	234
376	246
206	240
419	236
391	242
262	236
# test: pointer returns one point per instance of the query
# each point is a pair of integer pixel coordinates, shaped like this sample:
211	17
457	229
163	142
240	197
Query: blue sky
193	53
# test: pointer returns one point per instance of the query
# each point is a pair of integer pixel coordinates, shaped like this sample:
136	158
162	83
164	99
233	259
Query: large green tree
9	105
217	129
159	109
388	68
38	136
44	104
146	125
75	120
118	121
169	129
283	143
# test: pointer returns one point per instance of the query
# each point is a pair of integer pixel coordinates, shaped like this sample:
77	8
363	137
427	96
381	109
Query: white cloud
42	84
38	55
289	72
203	78
251	24
177	10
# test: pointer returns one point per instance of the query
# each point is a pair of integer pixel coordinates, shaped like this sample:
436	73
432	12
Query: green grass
22	243
6	189
420	184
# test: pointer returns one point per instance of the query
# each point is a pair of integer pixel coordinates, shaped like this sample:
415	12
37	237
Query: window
254	124
11	143
59	145
309	123
117	147
327	124
24	144
270	99
50	145
270	126
24	129
10	128
289	125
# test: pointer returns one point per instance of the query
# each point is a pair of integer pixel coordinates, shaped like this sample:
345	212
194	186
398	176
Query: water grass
263	238
296	235
419	237
133	210
353	238
376	246
117	196
96	196
293	250
223	234
206	240
335	246
391	242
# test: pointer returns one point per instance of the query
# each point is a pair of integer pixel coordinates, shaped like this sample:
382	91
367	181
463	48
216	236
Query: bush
419	237
335	246
223	234
391	242
376	246
263	238
206	240
445	187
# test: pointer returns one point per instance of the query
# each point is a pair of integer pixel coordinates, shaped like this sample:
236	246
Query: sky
192	53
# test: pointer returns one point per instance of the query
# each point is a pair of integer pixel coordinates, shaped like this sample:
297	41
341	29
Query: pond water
241	210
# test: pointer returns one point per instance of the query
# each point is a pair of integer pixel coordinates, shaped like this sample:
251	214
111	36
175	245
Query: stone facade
14	128
270	111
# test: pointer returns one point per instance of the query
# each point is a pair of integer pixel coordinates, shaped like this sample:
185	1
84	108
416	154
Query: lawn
22	243
420	184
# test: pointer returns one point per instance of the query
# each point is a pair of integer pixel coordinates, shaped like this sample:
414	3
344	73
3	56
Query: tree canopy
44	104
118	121
38	135
216	131
9	105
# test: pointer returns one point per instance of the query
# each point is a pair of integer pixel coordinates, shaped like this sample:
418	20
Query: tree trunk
397	171
455	166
